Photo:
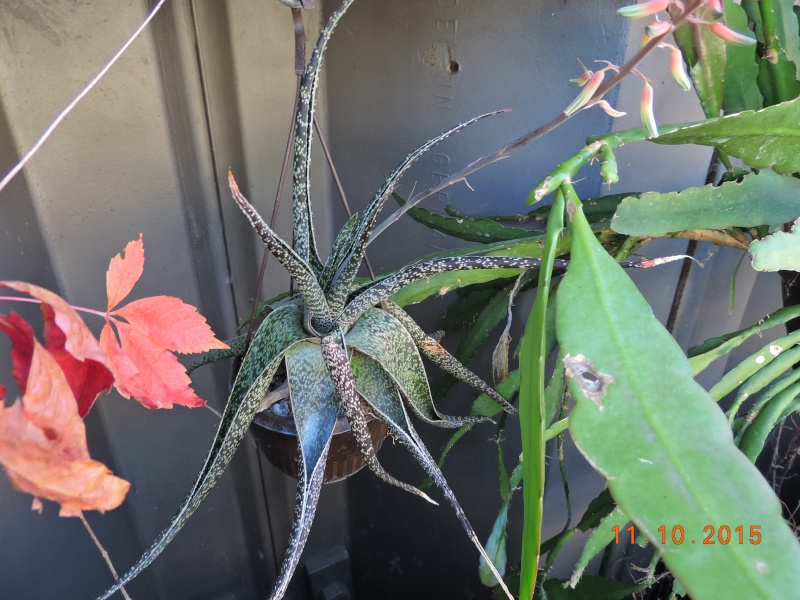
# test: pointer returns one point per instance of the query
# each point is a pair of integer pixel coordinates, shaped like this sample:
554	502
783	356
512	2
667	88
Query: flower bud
586	93
716	8
678	69
607	108
645	9
729	35
646	108
657	28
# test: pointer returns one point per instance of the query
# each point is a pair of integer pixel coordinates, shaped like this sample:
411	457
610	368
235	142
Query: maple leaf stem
99	313
104	554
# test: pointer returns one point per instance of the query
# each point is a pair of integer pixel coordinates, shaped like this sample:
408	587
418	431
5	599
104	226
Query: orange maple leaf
142	359
43	444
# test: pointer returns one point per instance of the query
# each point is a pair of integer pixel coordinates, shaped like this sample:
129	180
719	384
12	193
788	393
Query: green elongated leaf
342	247
464	312
660	440
494	311
773	390
761	139
777	252
751	365
599	508
763	378
755	435
279	331
765	198
601	537
315	409
496	549
554	392
437	354
384	339
471	229
741	91
532	409
704	354
445	282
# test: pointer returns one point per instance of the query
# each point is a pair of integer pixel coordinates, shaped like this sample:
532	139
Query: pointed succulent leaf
437	354
381	337
421	270
369	218
315	410
305	244
279	331
338	365
379	391
342	246
297	267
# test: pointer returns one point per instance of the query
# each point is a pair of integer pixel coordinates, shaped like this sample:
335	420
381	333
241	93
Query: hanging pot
276	436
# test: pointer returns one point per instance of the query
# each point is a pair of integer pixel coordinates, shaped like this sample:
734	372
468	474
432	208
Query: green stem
768	27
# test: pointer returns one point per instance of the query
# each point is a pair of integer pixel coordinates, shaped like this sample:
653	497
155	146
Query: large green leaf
279	331
765	138
765	198
663	444
777	252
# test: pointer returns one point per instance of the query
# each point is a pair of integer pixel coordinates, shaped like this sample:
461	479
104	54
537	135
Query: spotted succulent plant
340	343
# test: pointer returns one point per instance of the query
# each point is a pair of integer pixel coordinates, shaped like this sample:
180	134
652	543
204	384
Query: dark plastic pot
276	436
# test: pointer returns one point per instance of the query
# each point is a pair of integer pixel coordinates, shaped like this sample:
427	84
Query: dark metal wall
208	87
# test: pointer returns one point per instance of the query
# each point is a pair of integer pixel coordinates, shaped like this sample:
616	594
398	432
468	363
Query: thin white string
25	159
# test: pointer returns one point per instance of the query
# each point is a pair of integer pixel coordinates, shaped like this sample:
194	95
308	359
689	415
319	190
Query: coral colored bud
586	93
645	9
609	110
657	28
583	79
716	8
646	108
678	69
729	35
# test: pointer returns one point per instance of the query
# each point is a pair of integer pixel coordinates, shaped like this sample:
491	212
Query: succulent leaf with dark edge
311	333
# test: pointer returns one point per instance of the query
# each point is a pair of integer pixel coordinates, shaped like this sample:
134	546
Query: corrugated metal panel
210	87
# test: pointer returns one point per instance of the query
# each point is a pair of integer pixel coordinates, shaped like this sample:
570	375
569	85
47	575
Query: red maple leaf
43	444
84	364
142	359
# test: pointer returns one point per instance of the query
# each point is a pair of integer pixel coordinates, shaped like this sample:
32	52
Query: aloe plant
340	343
